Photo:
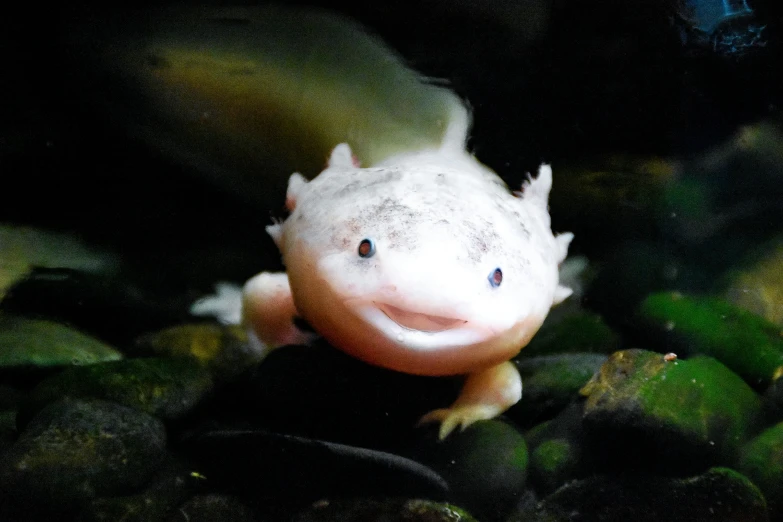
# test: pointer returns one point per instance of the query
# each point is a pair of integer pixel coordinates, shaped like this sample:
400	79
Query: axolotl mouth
425	341
419	321
419	330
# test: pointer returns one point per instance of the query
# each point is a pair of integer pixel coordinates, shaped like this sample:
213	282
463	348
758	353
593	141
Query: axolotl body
424	263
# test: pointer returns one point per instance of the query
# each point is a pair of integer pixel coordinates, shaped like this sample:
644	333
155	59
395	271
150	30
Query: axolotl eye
366	248
495	277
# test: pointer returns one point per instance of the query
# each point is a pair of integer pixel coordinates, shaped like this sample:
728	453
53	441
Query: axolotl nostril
424	263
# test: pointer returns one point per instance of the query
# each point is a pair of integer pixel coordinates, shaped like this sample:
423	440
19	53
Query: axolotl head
426	265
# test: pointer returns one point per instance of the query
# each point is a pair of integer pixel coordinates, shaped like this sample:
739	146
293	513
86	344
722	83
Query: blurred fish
24	248
249	94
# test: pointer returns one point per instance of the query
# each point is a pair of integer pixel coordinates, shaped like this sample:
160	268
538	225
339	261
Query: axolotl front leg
268	311
485	395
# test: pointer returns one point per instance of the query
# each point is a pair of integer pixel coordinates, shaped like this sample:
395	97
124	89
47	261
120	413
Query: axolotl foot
486	394
269	312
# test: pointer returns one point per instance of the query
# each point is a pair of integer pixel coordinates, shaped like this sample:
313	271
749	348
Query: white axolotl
425	263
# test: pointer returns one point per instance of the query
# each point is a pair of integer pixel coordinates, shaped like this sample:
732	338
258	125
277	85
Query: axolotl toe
425	264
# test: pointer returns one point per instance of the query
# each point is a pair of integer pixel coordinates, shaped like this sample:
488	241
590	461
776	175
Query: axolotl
424	263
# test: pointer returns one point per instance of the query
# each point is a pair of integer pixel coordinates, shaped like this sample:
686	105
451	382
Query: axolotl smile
418	329
414	321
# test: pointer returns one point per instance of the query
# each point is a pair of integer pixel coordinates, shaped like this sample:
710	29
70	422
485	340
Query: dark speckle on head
370	179
481	237
394	237
343	235
398	208
399	220
389	209
353	225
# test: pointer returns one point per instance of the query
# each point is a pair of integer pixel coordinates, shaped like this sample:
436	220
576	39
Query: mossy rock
74	450
167	388
485	465
668	413
553	462
718	495
761	460
746	343
26	343
558	450
551	382
224	350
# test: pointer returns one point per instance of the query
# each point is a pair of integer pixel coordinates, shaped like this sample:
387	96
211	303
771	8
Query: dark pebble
74	450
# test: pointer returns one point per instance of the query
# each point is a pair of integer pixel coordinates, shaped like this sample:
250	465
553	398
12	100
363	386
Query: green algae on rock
39	343
761	460
749	345
373	510
73	451
559	451
551	382
718	495
167	388
224	350
552	462
672	413
485	466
